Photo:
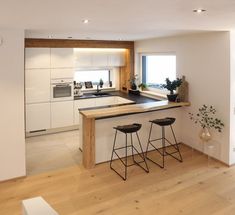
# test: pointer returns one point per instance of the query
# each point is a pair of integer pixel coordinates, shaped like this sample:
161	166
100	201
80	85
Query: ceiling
116	19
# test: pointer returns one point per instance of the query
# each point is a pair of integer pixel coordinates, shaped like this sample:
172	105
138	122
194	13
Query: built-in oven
61	89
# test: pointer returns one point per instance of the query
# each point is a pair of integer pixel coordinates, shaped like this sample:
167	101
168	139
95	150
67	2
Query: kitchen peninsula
96	131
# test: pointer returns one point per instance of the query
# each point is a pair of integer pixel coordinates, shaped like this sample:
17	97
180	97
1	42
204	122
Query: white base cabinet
61	114
83	103
38	116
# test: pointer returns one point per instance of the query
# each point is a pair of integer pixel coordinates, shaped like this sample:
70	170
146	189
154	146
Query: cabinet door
82	103
38	116
61	114
62	73
105	101
37	58
62	58
83	59
116	59
37	85
99	59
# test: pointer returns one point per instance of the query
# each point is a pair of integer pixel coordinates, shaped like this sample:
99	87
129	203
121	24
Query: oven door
62	92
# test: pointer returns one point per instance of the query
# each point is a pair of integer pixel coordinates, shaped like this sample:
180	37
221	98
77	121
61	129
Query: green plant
205	117
142	86
172	85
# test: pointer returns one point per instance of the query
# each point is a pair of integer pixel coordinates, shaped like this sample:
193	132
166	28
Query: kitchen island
96	132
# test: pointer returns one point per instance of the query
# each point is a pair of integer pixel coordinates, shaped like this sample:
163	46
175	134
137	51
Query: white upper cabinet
37	85
116	59
83	59
99	59
37	58
62	73
62	58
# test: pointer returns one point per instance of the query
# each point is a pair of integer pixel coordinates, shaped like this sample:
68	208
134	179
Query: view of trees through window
156	68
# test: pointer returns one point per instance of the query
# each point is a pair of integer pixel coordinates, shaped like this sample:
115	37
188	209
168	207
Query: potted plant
143	86
207	120
133	82
171	86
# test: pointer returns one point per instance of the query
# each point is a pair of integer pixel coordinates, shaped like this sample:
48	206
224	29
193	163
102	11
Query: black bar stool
128	129
162	151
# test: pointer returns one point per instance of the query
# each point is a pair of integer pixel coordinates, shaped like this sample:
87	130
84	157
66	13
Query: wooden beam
63	43
88	142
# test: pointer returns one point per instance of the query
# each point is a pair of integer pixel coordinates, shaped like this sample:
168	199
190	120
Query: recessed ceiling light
85	21
199	10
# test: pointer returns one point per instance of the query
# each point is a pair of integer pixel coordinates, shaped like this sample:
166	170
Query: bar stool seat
128	129
164	122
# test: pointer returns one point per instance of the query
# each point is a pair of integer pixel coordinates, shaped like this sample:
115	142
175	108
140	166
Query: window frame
153	89
95	69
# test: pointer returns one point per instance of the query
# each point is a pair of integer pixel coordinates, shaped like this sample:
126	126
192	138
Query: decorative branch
205	117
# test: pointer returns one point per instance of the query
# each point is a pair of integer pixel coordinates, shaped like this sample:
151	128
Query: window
156	68
92	75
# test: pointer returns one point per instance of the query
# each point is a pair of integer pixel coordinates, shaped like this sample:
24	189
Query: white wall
232	97
12	142
205	61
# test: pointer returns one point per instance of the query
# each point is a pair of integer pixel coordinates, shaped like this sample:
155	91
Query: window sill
94	89
152	94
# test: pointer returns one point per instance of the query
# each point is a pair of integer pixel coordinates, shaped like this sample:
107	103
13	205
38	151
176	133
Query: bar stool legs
162	151
124	160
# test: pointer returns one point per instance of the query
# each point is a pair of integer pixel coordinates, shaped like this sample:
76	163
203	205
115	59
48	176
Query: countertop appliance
62	89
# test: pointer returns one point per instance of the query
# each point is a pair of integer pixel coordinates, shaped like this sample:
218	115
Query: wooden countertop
131	109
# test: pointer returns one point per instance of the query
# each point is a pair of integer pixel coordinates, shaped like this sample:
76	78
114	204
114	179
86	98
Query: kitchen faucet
98	90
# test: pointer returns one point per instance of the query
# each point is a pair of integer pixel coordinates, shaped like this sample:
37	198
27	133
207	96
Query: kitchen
53	98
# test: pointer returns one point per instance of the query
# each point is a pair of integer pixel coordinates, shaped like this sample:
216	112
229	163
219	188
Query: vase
205	134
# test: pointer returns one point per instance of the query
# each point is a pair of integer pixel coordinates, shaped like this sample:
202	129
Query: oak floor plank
191	187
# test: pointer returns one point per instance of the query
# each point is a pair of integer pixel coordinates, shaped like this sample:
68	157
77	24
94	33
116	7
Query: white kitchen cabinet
37	58
62	73
37	85
38	116
82	103
99	59
83	59
62	58
104	101
116	59
61	114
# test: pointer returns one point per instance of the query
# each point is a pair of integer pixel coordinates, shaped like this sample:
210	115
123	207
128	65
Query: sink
101	94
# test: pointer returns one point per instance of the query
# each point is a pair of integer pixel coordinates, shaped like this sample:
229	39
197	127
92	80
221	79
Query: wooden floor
191	187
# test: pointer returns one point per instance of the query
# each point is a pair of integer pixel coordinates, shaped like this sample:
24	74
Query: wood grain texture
63	43
129	109
88	142
191	187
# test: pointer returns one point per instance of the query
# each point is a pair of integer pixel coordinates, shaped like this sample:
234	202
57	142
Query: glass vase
205	134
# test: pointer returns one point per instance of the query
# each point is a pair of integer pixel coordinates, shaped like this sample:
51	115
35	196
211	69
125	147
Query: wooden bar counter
97	126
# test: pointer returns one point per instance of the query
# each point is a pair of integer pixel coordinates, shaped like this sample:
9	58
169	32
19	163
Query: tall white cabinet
37	58
42	65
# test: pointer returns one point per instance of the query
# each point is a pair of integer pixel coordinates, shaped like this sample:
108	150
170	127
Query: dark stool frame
141	154
164	152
